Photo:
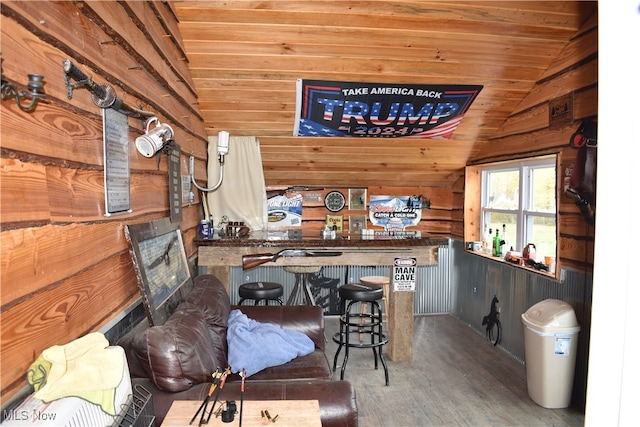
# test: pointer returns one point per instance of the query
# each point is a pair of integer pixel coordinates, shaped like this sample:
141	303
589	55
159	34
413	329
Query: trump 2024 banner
328	108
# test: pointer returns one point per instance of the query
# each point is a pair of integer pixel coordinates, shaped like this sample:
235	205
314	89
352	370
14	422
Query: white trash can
550	345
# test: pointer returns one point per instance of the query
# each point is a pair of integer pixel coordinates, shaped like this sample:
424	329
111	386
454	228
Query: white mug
153	140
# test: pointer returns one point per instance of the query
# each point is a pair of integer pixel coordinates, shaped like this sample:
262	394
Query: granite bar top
296	239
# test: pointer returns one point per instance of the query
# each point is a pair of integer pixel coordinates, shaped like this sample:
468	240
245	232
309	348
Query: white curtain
242	195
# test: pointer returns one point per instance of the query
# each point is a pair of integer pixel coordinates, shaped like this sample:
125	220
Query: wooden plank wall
437	220
527	133
65	267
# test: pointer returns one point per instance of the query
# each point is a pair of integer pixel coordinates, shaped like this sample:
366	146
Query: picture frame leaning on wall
161	265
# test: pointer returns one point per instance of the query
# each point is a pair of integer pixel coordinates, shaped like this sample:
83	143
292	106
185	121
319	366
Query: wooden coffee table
291	413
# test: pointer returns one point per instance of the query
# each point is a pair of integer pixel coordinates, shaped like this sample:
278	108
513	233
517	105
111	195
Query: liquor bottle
485	237
496	244
489	239
505	241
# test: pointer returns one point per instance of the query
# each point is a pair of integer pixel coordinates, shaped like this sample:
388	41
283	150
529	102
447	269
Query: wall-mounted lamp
223	148
36	92
154	139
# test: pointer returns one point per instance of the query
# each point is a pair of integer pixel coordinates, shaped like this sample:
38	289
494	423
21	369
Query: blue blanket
255	346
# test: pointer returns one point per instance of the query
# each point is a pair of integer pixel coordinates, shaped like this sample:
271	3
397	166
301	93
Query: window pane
543	235
544	189
502	191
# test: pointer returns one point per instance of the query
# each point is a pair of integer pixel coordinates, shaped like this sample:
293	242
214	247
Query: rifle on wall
254	260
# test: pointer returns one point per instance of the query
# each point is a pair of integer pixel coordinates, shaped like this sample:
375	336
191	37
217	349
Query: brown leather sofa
175	361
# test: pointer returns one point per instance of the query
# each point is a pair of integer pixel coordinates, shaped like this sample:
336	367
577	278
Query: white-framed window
521	197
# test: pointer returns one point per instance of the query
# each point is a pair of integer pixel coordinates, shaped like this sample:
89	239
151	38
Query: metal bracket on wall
103	94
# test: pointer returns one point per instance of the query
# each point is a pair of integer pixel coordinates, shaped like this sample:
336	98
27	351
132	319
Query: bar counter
219	254
296	239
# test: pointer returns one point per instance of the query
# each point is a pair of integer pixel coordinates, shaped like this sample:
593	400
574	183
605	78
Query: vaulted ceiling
245	57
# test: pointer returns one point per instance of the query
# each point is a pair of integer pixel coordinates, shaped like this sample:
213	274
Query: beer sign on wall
330	108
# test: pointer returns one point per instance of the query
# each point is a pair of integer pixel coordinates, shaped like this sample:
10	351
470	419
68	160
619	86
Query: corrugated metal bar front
434	293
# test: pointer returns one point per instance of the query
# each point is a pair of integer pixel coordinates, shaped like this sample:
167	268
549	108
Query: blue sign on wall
328	108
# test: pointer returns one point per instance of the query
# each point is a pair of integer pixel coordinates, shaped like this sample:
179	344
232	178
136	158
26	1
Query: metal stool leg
307	288
340	336
363	313
379	337
346	340
296	290
372	333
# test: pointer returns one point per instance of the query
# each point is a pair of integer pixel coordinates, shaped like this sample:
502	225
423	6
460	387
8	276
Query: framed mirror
161	264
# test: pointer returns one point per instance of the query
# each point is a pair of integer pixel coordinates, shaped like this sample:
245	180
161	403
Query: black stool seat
362	323
259	291
360	292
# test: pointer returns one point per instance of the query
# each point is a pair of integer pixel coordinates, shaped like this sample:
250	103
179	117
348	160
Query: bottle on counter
505	241
485	238
494	244
489	249
497	244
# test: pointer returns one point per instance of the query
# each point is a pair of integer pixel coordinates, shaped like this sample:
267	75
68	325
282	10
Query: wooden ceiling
245	57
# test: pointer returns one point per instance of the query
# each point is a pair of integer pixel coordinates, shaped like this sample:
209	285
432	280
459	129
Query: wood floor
456	378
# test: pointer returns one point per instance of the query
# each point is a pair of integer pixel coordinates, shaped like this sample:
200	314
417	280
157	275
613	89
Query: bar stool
381	281
258	291
369	323
302	283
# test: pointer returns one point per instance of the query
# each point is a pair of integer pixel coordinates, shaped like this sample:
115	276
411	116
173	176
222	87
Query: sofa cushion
309	367
212	300
211	297
182	352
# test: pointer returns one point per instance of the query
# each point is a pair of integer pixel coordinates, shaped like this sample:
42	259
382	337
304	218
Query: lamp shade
154	139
